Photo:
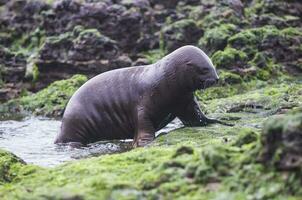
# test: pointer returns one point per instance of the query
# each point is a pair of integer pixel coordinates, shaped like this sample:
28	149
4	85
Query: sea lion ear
190	63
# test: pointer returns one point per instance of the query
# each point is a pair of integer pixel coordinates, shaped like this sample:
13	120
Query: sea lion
135	102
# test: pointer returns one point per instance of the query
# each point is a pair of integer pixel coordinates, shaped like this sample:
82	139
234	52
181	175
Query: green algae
229	78
216	38
50	101
255	53
229	58
179	33
154	55
12	168
210	162
273	97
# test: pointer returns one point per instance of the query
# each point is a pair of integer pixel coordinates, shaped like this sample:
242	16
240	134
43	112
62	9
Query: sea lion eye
204	70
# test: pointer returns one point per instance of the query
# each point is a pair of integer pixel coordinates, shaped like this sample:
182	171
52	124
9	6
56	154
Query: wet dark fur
137	101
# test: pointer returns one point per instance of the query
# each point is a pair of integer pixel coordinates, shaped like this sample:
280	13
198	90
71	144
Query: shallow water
32	140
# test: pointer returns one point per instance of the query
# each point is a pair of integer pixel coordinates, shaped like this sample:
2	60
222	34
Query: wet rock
174	3
216	38
22	16
278	13
84	51
282	142
141	61
9	91
230	58
12	66
226	77
142	4
274	43
182	32
183	150
7	163
50	101
121	62
2	2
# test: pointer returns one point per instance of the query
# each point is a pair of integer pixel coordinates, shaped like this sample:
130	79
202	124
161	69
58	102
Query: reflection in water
32	140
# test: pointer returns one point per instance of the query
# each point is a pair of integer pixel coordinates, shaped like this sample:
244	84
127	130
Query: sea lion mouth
208	83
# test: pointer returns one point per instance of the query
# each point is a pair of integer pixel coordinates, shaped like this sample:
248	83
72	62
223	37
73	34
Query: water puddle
32	140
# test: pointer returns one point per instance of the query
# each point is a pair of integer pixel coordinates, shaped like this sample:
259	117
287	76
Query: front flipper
145	131
191	115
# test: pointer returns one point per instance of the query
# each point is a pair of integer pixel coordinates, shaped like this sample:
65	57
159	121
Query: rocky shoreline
45	41
49	48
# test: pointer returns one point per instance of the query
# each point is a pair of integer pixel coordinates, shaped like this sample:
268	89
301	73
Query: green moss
178	25
270	98
179	33
222	14
50	101
188	163
13	168
282	143
229	78
154	55
255	37
216	38
229	58
28	44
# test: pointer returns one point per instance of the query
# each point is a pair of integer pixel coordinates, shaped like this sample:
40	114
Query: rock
183	150
276	13
81	51
12	66
141	61
9	91
22	16
181	33
8	166
121	62
50	101
216	38
282	142
229	59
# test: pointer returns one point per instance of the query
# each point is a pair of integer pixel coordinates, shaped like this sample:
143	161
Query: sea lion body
135	102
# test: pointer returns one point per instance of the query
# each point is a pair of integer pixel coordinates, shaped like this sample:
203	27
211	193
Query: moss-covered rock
226	77
79	45
13	168
50	101
279	13
191	163
258	53
282	142
181	33
230	58
216	38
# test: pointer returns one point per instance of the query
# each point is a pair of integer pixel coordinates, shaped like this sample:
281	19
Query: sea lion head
196	66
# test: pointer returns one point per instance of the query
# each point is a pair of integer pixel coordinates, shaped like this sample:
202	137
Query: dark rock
12	66
9	91
181	33
121	62
141	61
282	142
278	13
81	51
183	150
